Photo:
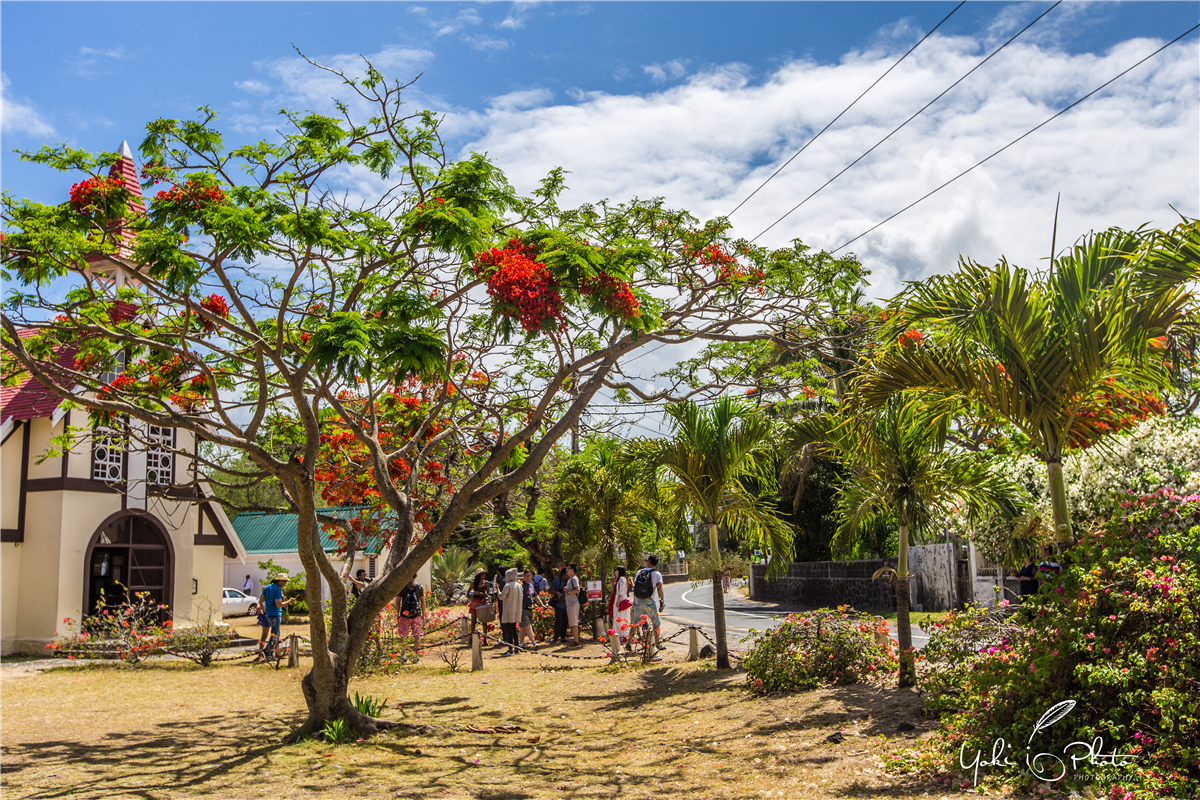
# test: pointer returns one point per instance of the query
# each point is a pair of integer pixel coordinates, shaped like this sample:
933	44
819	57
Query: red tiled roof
30	399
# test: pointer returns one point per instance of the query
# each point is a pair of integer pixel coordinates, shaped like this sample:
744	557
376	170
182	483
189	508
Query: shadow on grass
659	683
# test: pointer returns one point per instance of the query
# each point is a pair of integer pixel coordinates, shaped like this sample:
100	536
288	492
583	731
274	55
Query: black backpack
643	584
410	603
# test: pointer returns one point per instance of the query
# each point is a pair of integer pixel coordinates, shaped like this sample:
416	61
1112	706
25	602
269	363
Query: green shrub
336	731
366	704
820	647
1117	633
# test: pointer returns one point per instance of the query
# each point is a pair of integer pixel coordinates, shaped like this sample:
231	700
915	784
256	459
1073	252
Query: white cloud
462	20
517	101
91	62
670	70
486	43
516	18
1121	158
18	117
253	87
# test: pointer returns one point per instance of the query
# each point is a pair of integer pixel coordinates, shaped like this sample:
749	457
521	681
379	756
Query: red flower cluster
191	194
911	338
1115	411
216	305
618	298
92	195
522	287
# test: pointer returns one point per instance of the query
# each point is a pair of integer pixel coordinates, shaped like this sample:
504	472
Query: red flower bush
522	287
191	195
615	293
911	338
216	305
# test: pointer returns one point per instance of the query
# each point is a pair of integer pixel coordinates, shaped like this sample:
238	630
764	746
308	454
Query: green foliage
337	731
451	567
818	648
718	461
371	706
1117	633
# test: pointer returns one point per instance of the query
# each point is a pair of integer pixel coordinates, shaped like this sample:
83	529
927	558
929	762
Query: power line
844	110
910	119
1019	138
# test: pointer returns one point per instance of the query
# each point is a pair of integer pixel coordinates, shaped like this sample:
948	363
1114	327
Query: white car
235	602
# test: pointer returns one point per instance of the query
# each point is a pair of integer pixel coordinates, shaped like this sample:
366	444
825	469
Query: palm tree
716	459
898	466
450	567
593	482
1061	357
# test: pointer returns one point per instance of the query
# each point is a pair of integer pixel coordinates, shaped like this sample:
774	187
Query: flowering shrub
820	647
1156	452
192	194
1117	633
130	631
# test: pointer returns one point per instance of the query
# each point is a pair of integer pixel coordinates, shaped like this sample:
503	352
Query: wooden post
464	631
598	627
476	653
293	652
693	645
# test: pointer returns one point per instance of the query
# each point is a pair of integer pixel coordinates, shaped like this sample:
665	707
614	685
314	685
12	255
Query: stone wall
821	584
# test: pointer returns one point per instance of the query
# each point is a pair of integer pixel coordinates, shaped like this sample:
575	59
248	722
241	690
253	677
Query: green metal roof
268	532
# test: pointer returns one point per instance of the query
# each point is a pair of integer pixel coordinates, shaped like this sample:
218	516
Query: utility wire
1019	138
847	108
910	119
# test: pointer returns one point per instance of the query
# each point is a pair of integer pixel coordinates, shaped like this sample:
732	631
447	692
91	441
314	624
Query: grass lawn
169	730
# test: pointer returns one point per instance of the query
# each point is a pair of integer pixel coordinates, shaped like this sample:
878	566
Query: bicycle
639	643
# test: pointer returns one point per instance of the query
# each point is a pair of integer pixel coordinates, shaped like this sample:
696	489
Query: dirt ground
590	731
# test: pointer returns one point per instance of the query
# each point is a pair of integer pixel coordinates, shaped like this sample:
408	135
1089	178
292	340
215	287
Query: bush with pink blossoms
1117	633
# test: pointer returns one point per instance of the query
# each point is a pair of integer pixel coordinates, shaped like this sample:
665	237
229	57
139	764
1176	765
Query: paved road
688	606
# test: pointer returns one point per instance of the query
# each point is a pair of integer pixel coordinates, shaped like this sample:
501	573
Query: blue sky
695	102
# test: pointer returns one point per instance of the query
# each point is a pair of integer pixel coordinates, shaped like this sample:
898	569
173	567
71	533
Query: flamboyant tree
290	299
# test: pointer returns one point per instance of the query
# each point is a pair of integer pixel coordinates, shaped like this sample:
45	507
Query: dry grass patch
178	731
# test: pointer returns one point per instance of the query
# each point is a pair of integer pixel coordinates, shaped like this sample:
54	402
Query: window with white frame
119	367
108	456
160	456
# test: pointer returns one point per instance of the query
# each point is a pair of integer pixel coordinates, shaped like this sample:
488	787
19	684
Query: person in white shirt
648	581
248	586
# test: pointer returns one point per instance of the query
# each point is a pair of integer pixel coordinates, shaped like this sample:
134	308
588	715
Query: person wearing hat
271	601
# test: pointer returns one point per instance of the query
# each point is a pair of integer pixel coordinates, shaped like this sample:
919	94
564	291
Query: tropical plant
717	460
369	704
450	568
898	463
1065	358
610	501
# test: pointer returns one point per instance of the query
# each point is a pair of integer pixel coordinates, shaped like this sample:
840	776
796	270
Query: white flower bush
1158	452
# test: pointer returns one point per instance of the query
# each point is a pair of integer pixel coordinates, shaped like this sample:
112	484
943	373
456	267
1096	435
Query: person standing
410	614
477	596
529	599
1049	564
1028	578
248	585
648	581
559	603
273	603
540	582
571	590
619	604
510	613
359	582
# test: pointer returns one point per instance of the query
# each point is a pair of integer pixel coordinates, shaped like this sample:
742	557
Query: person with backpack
410	613
559	603
529	599
648	581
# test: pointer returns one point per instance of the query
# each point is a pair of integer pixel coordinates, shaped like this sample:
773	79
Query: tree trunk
718	598
1058	501
719	621
908	667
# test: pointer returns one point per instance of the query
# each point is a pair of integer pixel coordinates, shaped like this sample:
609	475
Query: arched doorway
130	553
